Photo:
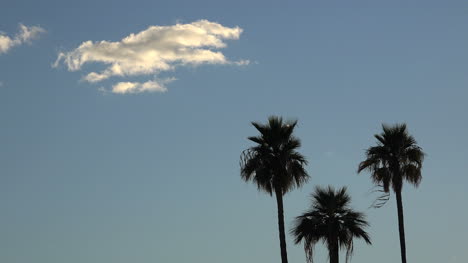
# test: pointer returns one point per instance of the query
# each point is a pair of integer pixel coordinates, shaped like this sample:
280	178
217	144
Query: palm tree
274	165
395	158
332	221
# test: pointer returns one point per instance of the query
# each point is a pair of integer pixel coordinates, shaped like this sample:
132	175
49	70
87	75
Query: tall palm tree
394	159
274	165
332	221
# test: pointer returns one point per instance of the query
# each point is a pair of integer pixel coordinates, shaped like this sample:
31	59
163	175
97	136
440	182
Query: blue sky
88	175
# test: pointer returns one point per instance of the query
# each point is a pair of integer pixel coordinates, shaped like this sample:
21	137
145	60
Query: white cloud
151	51
25	35
138	87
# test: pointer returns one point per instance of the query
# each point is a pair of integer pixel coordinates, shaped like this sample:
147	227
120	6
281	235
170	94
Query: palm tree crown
274	164
396	157
332	221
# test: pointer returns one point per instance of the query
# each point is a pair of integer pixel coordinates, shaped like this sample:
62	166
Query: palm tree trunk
282	237
333	253
401	226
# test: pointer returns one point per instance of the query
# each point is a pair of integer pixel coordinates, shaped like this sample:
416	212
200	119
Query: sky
122	123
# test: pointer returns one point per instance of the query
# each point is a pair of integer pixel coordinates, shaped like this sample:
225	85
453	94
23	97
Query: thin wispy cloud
152	51
25	35
137	87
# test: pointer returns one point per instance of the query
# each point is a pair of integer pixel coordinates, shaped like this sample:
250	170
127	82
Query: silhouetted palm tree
274	165
331	221
396	158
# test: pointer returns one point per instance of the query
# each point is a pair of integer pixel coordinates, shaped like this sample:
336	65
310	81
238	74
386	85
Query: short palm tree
395	158
332	221
274	165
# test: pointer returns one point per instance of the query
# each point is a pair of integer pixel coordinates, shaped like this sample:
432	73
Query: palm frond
412	174
382	199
